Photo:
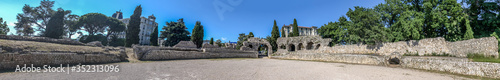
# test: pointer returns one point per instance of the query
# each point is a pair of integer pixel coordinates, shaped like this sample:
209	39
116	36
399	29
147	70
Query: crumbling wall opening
309	46
394	60
250	46
283	46
263	49
317	46
299	47
291	47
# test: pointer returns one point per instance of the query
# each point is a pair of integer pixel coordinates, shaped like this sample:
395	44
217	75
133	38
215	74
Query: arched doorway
291	47
282	46
317	46
309	46
263	49
299	47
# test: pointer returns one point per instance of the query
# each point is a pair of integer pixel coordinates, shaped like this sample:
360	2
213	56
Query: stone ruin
253	44
301	43
41	39
206	45
185	44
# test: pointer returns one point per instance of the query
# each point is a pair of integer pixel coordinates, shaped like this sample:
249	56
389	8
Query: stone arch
309	45
317	46
263	49
299	46
291	47
394	60
250	46
282	46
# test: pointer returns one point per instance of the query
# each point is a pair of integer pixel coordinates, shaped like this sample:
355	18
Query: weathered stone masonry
486	46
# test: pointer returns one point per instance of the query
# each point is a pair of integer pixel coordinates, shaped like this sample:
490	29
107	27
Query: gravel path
240	69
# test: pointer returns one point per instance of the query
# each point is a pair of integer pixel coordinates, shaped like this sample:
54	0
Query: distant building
303	31
147	27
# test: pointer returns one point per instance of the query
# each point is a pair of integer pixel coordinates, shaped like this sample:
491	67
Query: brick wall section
10	61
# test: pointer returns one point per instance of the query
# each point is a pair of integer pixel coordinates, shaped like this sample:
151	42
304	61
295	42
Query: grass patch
482	58
432	54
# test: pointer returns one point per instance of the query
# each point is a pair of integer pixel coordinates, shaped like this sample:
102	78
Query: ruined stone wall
168	53
10	61
486	46
456	66
41	39
344	58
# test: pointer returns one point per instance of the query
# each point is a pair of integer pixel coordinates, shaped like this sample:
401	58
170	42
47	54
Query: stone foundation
41	39
168	53
487	46
456	66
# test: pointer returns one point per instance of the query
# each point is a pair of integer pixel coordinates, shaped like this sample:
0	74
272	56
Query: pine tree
295	28
4	29
133	27
198	34
174	32
154	37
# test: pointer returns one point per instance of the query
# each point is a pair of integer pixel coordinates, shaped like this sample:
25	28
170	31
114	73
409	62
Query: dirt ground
240	69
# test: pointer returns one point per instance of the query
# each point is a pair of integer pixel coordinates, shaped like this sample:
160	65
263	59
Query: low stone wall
10	61
457	66
167	53
344	58
174	54
41	39
486	46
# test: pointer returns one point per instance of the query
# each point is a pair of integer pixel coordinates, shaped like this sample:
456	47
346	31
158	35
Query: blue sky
246	15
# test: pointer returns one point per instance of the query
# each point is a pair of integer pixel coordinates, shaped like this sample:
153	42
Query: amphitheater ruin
313	48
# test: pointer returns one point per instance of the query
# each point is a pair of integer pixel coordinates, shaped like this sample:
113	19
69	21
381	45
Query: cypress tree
295	28
275	34
197	36
55	27
133	27
154	37
212	41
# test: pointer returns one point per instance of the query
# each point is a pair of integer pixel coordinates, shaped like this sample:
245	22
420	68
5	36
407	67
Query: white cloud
11	24
223	39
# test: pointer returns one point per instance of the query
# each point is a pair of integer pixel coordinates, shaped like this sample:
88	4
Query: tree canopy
174	32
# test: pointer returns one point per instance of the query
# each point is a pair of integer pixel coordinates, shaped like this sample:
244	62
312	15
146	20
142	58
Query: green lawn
482	58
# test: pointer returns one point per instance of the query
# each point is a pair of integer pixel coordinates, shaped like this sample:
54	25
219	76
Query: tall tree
133	27
23	26
367	26
211	41
484	16
198	34
4	29
275	34
55	27
336	30
93	23
295	31
70	24
242	37
154	37
174	32
409	26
